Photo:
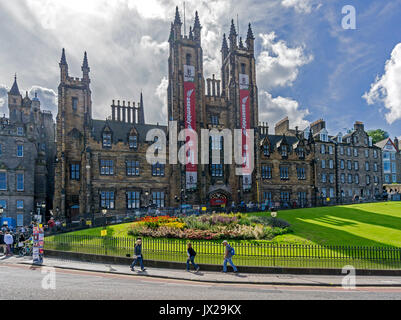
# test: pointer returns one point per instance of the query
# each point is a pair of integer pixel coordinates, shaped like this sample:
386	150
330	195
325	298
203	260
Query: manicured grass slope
373	224
376	224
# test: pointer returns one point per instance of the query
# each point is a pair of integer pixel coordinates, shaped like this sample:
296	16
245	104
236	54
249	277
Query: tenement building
27	151
359	165
325	163
103	163
344	168
286	167
391	155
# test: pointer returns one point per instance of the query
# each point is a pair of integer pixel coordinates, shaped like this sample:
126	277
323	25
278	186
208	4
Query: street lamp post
147	201
104	212
274	216
43	206
182	192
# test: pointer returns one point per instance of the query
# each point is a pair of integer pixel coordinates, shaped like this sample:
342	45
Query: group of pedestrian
229	252
6	242
12	242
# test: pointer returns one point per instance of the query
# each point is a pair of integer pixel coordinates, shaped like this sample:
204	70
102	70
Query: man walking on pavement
8	240
138	255
228	257
191	257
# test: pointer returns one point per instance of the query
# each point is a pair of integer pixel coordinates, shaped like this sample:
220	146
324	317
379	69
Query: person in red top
51	223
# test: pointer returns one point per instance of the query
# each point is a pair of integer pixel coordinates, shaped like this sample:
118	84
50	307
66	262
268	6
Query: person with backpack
138	255
228	254
191	257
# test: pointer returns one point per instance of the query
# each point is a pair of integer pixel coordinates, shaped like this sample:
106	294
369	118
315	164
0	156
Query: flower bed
209	227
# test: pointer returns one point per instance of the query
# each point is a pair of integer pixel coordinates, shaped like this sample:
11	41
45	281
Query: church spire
250	33
250	39
191	36
177	20
197	22
233	35
141	111
85	67
197	28
224	47
63	60
241	45
85	64
63	66
14	89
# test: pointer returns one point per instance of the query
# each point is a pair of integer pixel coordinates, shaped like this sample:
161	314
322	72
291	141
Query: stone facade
27	144
359	165
287	168
325	160
391	155
103	163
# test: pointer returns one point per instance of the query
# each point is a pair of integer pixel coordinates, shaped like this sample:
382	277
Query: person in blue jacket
138	255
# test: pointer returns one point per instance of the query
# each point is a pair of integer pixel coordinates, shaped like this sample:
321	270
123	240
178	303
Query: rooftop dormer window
301	153
284	151
133	142
266	150
107	140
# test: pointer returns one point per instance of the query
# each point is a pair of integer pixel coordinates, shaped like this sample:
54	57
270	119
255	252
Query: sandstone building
103	164
27	151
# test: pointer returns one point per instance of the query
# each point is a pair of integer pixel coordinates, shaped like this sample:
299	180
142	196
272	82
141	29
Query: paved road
25	282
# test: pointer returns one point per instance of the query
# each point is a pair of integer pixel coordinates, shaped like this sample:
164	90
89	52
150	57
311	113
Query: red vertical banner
245	117
191	167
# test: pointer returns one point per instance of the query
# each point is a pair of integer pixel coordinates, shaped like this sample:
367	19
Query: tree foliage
378	135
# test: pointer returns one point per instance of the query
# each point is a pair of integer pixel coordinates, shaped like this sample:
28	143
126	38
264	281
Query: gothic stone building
27	151
103	163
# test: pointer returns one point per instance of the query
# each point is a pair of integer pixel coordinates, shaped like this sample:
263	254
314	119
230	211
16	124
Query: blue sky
346	62
309	67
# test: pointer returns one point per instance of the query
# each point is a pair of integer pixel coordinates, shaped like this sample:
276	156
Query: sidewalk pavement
211	277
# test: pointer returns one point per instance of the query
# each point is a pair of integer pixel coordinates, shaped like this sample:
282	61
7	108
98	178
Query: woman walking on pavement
191	257
138	255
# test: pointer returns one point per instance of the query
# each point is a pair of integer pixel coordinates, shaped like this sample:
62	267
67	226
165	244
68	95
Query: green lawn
364	225
372	224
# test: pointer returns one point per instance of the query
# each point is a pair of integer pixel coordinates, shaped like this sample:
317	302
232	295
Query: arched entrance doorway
219	199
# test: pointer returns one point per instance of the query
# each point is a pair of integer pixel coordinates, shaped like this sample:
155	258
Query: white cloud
3	100
161	93
126	45
48	98
387	88
278	65
272	110
301	6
